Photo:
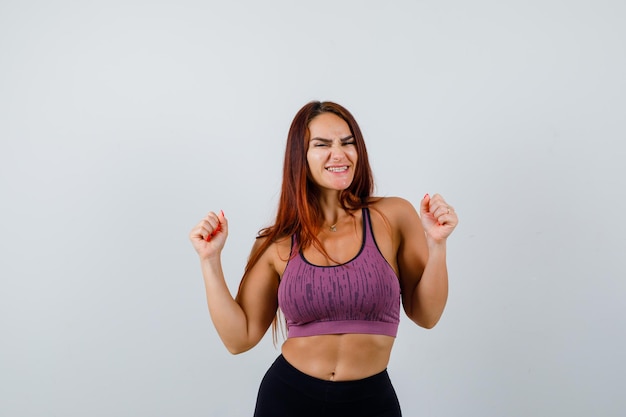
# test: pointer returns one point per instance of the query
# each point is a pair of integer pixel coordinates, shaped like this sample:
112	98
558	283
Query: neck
333	215
334	218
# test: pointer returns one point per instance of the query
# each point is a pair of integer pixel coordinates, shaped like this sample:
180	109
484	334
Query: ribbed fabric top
360	296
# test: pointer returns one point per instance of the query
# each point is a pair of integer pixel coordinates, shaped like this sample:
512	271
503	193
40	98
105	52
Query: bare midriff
339	357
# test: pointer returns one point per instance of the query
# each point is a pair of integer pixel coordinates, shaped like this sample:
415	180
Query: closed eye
321	142
349	140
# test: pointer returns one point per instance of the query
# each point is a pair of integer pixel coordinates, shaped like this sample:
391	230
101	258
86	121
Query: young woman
338	262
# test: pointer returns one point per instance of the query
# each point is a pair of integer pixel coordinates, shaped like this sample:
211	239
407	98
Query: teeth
337	169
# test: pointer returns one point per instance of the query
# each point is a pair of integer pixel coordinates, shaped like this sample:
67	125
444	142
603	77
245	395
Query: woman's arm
422	257
241	322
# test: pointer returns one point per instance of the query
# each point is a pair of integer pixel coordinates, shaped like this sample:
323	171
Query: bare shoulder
395	209
397	214
396	219
275	255
392	202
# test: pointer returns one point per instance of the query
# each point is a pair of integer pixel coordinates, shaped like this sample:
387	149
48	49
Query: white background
123	122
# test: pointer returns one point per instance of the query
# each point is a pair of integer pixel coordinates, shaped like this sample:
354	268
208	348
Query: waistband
330	391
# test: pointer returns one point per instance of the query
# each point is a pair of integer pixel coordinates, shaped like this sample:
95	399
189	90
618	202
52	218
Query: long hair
299	212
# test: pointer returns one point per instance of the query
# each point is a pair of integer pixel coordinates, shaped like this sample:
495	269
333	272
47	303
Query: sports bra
359	296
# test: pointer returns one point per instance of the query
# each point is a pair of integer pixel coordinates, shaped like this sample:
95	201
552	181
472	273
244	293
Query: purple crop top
360	296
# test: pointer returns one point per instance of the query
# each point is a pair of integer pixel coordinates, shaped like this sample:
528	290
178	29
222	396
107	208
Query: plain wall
123	122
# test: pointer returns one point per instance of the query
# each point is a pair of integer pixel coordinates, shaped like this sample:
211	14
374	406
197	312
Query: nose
337	153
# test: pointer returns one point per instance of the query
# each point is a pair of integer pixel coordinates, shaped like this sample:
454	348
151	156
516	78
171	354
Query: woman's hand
438	218
209	236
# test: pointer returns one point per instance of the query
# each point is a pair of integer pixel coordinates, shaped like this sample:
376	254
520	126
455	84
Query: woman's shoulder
391	205
396	211
274	252
280	242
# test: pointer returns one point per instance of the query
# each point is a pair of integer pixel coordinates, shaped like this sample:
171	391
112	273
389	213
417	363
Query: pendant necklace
333	228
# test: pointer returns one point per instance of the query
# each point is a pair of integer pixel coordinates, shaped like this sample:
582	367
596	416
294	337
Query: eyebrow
343	140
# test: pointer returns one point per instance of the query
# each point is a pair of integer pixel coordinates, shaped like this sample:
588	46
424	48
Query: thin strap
294	244
369	233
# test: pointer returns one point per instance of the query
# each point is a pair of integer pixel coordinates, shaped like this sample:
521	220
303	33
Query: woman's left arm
422	259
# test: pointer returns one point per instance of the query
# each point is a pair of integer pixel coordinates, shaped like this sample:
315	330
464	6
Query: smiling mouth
337	169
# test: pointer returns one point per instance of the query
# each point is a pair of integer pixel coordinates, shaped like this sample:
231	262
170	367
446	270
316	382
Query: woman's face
332	154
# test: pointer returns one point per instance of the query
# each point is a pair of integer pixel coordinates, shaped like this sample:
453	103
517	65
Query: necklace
333	228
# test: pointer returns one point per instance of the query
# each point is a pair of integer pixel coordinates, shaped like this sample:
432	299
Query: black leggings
287	392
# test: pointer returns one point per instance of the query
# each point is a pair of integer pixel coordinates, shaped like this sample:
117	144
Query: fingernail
426	195
222	213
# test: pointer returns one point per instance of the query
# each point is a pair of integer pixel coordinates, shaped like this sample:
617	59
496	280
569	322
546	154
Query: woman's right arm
241	322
